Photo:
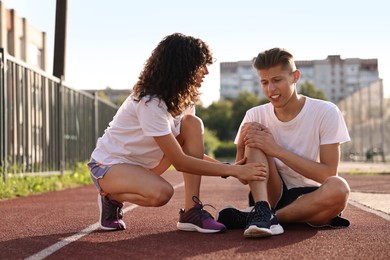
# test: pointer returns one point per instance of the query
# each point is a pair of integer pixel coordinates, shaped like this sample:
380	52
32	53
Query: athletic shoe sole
192	227
257	232
276	229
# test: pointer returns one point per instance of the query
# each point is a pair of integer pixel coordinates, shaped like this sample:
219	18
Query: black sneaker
233	218
337	222
110	214
262	222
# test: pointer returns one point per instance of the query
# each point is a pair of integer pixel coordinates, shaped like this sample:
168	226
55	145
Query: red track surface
33	224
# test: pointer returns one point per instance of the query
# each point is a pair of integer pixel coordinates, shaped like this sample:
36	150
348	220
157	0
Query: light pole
60	38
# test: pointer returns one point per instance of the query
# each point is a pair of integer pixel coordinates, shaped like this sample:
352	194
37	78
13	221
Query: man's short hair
274	57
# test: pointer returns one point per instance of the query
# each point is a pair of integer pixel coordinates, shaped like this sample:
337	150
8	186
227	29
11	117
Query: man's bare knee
337	192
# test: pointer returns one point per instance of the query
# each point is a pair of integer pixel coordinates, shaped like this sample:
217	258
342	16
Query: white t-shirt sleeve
153	117
333	128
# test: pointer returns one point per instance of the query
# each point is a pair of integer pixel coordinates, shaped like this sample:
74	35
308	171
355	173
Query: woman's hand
251	172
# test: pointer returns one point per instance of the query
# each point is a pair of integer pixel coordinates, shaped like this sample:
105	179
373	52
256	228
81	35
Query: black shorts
290	195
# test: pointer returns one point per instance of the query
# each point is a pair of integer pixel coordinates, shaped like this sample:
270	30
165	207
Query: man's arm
317	171
257	136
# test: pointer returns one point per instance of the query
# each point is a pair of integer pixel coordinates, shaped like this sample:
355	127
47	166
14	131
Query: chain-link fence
367	115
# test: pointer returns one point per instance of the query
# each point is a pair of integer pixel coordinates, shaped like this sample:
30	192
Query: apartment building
335	76
21	40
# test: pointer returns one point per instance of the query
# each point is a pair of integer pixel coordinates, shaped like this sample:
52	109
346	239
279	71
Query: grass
19	186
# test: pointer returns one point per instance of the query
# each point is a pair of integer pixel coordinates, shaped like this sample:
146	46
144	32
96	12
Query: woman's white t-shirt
129	136
318	123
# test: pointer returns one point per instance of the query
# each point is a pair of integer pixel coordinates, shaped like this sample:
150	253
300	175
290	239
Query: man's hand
258	136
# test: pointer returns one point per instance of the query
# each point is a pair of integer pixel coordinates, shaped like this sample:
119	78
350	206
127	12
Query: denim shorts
97	171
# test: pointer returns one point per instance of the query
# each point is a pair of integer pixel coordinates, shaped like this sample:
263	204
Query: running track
63	225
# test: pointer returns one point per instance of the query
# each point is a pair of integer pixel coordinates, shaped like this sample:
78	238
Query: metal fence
367	115
45	126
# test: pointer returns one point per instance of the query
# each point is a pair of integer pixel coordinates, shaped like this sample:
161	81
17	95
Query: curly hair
170	73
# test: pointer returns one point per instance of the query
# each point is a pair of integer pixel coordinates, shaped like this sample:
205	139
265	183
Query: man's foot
262	222
233	218
110	214
198	219
337	222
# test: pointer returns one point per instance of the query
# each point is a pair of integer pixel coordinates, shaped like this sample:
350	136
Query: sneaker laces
258	214
204	213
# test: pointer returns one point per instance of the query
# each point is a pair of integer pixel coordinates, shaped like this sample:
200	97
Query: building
238	77
21	40
336	77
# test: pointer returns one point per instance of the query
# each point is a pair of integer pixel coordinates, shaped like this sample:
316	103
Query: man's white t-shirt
318	123
129	137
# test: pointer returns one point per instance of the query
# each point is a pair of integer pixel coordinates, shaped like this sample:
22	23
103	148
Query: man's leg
274	184
258	188
261	221
318	207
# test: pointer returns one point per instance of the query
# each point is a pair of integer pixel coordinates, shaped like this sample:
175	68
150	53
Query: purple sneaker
198	219
110	214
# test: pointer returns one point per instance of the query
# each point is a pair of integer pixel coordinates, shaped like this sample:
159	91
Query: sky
109	41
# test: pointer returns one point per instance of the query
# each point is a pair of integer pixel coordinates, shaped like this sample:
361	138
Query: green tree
211	142
308	89
241	104
217	117
119	100
101	94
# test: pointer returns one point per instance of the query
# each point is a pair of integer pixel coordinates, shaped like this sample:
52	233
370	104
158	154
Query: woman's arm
189	164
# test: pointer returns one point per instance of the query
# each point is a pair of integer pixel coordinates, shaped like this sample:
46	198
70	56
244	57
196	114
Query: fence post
382	121
96	114
62	125
4	116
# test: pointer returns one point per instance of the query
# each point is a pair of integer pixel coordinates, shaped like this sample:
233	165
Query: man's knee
337	191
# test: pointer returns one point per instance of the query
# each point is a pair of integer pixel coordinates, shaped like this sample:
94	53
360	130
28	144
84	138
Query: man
298	138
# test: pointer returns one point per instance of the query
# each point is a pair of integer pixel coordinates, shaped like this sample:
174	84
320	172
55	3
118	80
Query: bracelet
225	177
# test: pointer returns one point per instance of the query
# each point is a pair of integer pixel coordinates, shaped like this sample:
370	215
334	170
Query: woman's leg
191	140
135	184
193	217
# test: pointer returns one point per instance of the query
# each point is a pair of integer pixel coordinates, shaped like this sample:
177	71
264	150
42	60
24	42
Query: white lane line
57	246
368	209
